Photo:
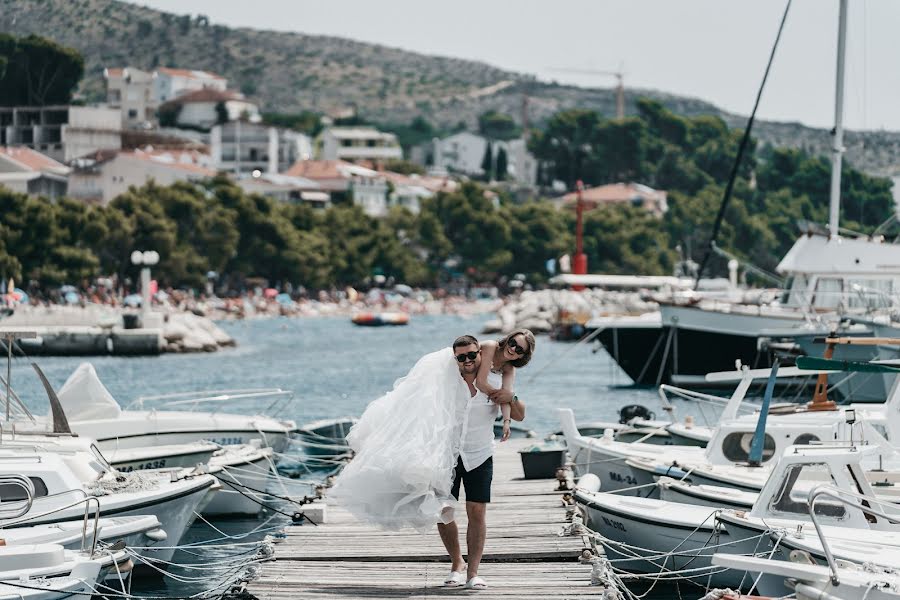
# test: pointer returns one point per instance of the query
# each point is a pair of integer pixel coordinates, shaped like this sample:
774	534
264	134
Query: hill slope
291	72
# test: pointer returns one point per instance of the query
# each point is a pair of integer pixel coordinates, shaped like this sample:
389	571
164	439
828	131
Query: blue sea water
335	368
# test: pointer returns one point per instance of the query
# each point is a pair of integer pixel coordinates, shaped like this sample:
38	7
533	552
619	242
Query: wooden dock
525	557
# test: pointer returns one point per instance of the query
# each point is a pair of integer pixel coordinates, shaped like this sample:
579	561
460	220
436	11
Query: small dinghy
371	319
325	437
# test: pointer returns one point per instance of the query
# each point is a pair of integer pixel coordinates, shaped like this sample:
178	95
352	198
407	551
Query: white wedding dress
404	447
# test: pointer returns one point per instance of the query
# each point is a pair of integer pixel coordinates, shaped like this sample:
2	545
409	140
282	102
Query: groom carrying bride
432	433
474	442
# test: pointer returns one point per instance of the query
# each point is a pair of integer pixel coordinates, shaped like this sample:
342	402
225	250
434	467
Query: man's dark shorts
477	481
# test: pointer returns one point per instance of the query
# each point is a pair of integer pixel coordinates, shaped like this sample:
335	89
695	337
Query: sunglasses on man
467	356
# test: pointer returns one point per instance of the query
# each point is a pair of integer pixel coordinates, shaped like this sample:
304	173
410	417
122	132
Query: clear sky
715	50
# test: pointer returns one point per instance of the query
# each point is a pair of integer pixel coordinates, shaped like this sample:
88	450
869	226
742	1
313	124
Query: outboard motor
635	411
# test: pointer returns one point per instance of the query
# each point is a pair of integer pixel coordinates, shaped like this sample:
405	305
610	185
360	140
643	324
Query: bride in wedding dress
402	470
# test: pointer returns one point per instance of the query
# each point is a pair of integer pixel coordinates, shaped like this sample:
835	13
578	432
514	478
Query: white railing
216	398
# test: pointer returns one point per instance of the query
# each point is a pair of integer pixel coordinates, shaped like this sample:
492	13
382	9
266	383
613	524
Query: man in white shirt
475	466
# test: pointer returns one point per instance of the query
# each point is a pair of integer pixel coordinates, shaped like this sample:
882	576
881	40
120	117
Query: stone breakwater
97	330
548	311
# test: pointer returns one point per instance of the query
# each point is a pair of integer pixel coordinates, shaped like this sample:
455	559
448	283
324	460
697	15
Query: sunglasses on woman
467	356
515	347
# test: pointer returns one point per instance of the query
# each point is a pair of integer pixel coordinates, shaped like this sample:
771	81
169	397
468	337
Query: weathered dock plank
524	554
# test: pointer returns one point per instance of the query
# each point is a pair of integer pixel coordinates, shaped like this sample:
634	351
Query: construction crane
620	84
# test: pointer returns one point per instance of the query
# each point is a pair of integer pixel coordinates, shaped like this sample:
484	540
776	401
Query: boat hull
654	545
240	481
614	473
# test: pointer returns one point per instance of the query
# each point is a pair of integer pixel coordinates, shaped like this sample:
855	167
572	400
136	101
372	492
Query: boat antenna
740	153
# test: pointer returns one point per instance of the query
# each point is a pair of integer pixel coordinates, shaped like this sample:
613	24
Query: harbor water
334	369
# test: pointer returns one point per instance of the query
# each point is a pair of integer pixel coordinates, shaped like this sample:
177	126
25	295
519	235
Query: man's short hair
464	340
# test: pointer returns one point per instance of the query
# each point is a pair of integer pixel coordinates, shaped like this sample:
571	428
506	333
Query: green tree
487	162
498	126
404	166
502	163
37	71
221	113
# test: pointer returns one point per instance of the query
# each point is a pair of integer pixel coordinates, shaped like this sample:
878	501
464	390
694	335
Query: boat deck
524	554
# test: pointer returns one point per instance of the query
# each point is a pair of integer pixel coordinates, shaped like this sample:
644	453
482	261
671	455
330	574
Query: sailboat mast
837	148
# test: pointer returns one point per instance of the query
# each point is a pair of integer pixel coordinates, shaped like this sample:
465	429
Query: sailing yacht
829	276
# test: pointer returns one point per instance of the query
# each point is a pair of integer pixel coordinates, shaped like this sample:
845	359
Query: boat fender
157	535
588	483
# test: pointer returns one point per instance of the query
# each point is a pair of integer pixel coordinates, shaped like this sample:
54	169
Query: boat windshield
795	291
101	459
792	495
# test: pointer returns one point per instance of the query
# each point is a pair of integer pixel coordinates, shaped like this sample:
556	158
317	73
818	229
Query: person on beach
488	371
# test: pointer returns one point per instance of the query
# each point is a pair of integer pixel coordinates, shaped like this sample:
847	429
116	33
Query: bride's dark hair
529	338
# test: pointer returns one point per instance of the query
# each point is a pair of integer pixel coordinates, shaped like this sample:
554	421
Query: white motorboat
182	456
93	412
326	436
724	460
244	472
71	472
815	582
654	535
136	531
50	572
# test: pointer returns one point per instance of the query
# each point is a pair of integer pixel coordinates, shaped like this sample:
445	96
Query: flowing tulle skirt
402	470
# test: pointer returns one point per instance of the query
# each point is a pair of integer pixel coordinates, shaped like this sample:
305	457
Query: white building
61	132
285	188
242	148
358	143
464	153
131	91
201	108
367	188
105	175
29	172
171	83
410	190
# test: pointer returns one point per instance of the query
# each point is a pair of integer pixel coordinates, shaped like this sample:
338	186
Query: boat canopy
83	396
848	257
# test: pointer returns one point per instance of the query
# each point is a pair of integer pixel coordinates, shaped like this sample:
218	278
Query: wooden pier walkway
524	555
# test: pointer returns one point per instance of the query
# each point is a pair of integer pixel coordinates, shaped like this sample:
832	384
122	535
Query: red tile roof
319	169
31	159
185	160
206	95
613	193
193	74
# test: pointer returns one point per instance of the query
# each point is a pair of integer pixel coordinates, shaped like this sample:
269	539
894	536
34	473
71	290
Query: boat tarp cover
83	396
